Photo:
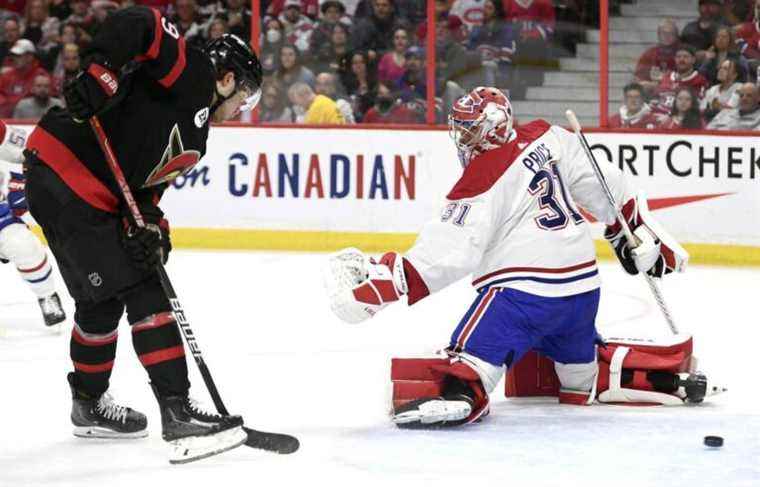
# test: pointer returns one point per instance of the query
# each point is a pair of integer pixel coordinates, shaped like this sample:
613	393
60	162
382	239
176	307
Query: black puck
714	441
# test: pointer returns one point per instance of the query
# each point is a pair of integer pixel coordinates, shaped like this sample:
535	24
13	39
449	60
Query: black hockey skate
52	310
193	433
102	418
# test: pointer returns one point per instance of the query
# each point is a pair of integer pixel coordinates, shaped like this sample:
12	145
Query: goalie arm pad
657	253
358	286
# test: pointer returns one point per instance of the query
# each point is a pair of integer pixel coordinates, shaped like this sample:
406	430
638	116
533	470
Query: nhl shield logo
95	279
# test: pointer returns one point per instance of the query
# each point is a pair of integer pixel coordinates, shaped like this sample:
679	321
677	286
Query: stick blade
573	120
274	442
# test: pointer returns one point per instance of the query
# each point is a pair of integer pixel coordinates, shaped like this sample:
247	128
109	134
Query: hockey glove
657	253
149	245
358	286
89	91
16	195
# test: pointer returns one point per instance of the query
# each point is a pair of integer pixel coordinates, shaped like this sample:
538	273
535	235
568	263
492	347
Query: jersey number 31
548	185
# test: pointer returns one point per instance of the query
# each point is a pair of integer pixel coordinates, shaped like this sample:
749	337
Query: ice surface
280	359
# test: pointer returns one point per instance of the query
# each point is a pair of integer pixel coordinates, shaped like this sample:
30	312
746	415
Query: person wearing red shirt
387	110
660	58
748	39
533	22
17	82
533	18
684	75
685	113
634	114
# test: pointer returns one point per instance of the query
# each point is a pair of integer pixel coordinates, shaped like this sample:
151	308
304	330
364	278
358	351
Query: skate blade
100	432
190	449
434	412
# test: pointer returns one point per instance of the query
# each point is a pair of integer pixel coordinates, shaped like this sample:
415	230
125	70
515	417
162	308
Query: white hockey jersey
12	142
513	219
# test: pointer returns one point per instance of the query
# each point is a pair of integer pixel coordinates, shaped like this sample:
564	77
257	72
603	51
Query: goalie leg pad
435	392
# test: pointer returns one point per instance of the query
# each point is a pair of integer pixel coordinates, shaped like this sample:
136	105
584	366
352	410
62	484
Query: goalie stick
633	241
274	442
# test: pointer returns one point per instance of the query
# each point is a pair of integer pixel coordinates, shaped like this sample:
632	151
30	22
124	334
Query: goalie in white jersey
18	245
513	222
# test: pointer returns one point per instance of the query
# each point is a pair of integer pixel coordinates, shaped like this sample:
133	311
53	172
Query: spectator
216	28
391	66
360	81
634	114
453	61
412	11
274	39
660	58
38	26
737	12
533	21
82	17
700	33
327	85
35	106
412	84
374	34
685	113
319	109
16	83
67	67
389	110
723	47
684	75
298	27
470	12
11	33
188	21
291	69
274	108
749	35
723	95
330	55
310	8
239	18
495	42
745	117
60	9
333	12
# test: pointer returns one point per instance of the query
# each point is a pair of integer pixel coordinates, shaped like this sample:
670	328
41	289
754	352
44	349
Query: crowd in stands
703	77
364	61
361	60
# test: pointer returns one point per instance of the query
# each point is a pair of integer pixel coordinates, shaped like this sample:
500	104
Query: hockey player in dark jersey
155	96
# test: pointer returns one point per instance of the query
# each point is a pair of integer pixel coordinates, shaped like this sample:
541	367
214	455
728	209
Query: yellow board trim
319	241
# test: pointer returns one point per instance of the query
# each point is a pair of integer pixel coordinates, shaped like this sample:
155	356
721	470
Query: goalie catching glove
358	286
657	252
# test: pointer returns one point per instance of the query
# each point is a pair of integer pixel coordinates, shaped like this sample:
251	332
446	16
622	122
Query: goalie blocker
450	391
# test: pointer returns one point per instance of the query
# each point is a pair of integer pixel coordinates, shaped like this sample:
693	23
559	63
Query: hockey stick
256	439
633	241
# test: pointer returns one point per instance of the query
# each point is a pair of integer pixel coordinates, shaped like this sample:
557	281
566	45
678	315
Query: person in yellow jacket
320	109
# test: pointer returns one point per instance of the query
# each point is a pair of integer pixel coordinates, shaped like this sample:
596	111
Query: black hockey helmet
230	53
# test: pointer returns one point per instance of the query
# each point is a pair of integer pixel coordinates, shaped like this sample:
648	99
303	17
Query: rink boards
291	188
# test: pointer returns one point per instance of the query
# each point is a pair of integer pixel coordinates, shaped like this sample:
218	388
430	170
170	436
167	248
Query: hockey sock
93	355
158	344
39	276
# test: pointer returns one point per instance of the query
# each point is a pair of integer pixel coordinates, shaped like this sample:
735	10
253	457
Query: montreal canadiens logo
175	162
468	103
